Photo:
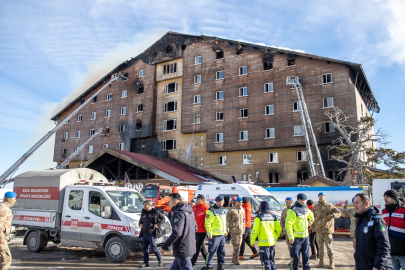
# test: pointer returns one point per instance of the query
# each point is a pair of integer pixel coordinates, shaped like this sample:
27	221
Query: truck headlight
133	223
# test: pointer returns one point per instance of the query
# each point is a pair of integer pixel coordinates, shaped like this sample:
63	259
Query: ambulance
254	194
382	185
79	207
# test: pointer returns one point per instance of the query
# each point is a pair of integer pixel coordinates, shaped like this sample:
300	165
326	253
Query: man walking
289	203
299	218
235	225
350	213
246	236
150	222
393	215
267	229
313	244
372	242
6	218
324	225
183	234
200	210
215	224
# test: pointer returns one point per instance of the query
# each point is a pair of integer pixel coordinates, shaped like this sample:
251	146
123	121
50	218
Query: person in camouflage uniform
235	225
350	213
6	218
289	203
324	225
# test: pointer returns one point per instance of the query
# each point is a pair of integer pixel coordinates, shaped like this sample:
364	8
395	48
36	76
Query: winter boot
320	264
220	267
332	264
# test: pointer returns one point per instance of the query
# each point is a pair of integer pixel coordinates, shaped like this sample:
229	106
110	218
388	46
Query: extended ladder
314	157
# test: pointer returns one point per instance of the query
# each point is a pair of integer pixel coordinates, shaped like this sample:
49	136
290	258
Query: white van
79	207
255	195
382	185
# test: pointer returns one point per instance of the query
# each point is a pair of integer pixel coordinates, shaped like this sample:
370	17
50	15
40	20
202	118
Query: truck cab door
97	217
72	214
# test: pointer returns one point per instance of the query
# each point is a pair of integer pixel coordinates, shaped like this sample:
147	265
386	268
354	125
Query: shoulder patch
175	219
381	228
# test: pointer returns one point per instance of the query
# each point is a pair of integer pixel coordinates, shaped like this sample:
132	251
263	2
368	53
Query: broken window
107	113
196	119
219	137
138	125
170	106
123	110
219	116
296	106
170	68
267	65
170	88
197	99
269	109
219	95
220	54
329	127
299	130
290	61
222	160
243	91
243	70
169	49
79	118
142	73
243	113
169	145
169	124
92	132
109	96
219	75
270	133
326	78
239	50
247	159
121	129
328	102
94	99
273	157
90	149
243	135
139	108
197	60
121	146
302	156
268	87
197	79
124	94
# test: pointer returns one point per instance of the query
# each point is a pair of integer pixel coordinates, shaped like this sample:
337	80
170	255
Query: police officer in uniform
215	224
267	229
235	225
6	218
299	218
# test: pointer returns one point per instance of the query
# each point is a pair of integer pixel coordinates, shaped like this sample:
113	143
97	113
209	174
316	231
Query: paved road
57	257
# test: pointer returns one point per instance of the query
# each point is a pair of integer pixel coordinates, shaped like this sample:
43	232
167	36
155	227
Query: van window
227	200
400	187
76	199
98	203
150	192
127	201
273	203
252	204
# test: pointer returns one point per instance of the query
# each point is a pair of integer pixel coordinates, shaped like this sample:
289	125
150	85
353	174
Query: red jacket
199	213
248	214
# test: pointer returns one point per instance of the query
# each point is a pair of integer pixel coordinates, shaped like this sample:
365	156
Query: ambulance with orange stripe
79	207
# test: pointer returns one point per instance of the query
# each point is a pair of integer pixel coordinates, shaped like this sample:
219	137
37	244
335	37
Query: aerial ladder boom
24	157
314	156
75	153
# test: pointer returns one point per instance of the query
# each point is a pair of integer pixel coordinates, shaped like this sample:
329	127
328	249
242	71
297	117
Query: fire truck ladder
21	160
314	157
75	153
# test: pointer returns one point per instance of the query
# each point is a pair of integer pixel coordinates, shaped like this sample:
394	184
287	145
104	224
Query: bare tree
361	148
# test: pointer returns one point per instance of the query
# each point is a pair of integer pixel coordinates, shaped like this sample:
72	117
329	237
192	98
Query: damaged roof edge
122	65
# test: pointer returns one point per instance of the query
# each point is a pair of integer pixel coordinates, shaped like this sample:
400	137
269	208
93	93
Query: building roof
166	168
151	56
326	181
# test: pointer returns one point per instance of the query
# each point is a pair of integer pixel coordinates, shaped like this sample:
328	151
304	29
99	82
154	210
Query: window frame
299	107
176	89
217	93
327	99
123	111
243	91
218	75
121	129
325	76
222	161
269	106
304	156
92	131
79	118
242	135
269	131
243	71
165	125
295	134
268	88
107	113
141	73
197	79
275	157
198	60
219	118
93	116
65	135
242	113
139	106
109	97
198	97
166	106
91	149
121	146
77	135
197	116
331	127
174	145
124	94
245	159
218	137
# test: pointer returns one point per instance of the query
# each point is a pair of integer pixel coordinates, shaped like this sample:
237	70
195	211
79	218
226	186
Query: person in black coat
372	242
150	222
182	238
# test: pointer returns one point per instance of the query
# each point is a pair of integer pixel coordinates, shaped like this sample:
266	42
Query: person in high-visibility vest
299	218
215	224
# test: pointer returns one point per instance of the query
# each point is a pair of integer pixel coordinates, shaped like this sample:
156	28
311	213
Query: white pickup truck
79	207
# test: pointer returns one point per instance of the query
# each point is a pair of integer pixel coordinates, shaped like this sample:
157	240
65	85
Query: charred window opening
239	50
183	47
95	99
334	175
169	145
64	152
267	65
171	88
171	68
154	55
125	78
107	131
82	101
169	49
220	54
291	61
138	125
273	178
139	87
169	124
302	176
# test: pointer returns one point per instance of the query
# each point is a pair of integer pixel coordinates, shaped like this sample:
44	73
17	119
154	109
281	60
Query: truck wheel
34	242
116	250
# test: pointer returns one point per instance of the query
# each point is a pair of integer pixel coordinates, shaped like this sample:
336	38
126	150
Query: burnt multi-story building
226	100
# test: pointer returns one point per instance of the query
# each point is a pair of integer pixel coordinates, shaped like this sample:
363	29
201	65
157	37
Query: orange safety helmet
233	198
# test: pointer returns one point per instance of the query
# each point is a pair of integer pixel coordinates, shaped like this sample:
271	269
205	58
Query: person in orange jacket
200	209
246	236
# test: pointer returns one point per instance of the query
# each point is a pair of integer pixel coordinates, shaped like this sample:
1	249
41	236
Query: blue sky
52	50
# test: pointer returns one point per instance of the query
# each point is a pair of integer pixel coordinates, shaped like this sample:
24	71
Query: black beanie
245	200
392	193
264	206
310	202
